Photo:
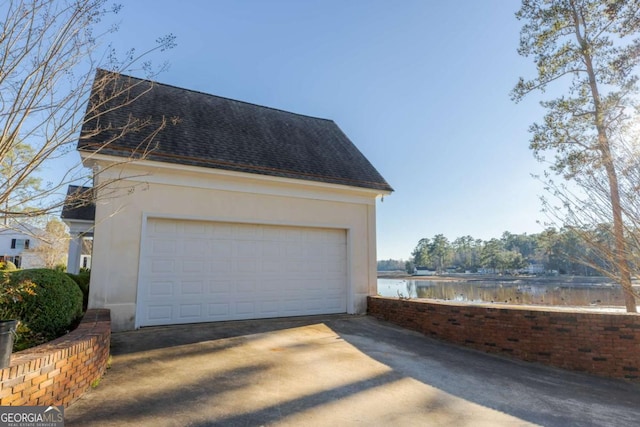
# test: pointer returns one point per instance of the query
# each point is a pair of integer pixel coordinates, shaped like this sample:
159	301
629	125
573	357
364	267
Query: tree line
562	251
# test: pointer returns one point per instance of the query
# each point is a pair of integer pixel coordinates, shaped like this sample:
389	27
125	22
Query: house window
19	243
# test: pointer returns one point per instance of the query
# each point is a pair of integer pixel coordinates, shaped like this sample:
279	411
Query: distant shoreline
474	277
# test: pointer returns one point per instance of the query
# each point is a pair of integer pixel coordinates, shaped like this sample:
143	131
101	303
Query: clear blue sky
420	86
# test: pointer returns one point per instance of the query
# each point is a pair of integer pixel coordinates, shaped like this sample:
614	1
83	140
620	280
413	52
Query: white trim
143	244
79	226
351	294
81	221
235	220
146	216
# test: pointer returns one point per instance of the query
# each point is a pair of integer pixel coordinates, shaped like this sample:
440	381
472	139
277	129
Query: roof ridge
215	96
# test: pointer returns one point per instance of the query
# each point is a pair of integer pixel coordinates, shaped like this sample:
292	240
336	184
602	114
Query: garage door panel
245	232
194	228
221	231
271	265
318	251
245	265
291	307
158	289
269	285
313	286
163	247
220	286
316	267
192	287
332	270
218	310
221	248
195	247
295	266
194	271
160	313
271	249
246	288
247	249
164	226
245	308
267	306
334	285
191	266
272	234
190	312
221	266
334	304
162	265
316	303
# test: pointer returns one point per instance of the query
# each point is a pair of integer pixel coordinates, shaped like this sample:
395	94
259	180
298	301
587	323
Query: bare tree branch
49	54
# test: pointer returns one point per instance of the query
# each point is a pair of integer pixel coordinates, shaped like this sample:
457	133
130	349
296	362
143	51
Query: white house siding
191	193
28	259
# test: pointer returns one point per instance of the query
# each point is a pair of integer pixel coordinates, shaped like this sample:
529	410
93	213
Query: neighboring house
238	211
79	213
424	271
535	269
17	244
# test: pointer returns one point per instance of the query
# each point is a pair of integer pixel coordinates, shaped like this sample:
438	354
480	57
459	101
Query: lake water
507	292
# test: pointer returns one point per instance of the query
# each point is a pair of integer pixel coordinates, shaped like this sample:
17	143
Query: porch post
75	252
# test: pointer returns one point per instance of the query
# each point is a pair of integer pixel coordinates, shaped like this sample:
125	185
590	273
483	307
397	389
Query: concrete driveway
335	371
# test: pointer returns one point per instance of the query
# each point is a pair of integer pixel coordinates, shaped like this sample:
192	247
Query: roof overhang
79	226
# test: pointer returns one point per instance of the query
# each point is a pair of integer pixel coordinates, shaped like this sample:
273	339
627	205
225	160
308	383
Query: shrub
7	266
82	280
46	302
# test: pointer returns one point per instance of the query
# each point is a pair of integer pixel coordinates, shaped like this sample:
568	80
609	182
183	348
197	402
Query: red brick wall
606	344
59	372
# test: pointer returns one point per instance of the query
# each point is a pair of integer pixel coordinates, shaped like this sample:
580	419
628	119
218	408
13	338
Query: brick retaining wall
60	371
606	344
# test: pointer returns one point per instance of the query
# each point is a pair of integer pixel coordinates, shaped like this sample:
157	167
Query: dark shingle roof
79	204
214	132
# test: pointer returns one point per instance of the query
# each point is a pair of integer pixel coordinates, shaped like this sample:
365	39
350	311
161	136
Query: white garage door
196	271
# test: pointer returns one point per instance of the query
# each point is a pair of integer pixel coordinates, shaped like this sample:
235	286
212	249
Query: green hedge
82	280
46	302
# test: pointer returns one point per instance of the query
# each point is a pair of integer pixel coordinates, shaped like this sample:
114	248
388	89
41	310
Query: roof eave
91	159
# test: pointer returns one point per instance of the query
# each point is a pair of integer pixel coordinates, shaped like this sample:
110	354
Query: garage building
212	209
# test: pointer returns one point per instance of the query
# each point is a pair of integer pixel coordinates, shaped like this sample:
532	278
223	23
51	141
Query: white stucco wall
193	193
